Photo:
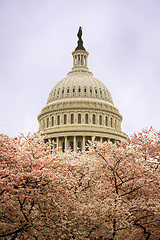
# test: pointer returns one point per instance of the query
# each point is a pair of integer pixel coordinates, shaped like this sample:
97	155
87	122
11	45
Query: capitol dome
80	107
79	84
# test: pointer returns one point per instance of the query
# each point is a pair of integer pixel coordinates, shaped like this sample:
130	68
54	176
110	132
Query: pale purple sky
38	37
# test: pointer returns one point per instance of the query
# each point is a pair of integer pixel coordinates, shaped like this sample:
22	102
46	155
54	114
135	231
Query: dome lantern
80	55
80	60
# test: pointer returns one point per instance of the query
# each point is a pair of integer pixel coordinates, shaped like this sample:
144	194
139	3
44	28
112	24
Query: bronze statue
80	42
79	34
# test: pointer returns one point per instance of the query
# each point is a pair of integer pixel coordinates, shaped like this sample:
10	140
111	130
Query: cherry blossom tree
147	142
108	192
133	190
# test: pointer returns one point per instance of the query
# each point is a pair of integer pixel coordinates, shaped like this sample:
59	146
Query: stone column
73	61
113	122
75	145
83	143
86	62
65	144
101	139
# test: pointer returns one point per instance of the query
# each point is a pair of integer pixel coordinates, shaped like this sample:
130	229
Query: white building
80	107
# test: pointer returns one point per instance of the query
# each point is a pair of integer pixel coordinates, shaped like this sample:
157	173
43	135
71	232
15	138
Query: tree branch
144	230
15	232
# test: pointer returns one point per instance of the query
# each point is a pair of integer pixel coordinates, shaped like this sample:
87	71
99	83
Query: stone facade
80	107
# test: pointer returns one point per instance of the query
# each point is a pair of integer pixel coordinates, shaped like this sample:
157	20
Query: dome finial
80	42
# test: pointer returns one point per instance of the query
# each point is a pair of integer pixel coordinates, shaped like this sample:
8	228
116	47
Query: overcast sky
38	37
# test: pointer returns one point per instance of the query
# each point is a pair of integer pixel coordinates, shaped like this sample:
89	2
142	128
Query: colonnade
79	59
76	143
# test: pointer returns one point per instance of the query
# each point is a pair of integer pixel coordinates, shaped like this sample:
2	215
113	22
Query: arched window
73	90
90	90
52	120
72	118
85	90
86	118
111	122
68	90
106	121
63	91
95	91
94	119
47	122
65	118
79	118
79	89
100	119
58	120
100	92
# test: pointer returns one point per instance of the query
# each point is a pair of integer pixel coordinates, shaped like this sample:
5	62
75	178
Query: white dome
80	85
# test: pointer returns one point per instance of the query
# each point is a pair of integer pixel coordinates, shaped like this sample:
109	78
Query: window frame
65	119
72	118
47	122
58	119
100	119
79	118
86	118
94	119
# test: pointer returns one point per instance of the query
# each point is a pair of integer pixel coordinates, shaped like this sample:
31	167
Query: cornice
110	134
70	128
